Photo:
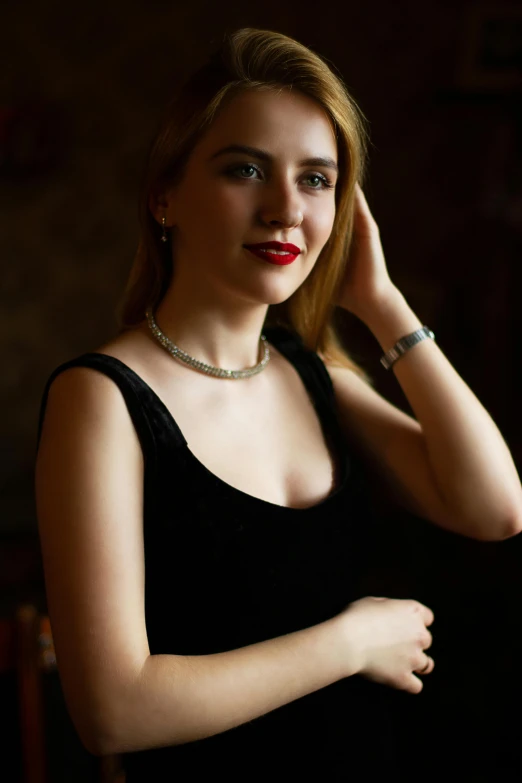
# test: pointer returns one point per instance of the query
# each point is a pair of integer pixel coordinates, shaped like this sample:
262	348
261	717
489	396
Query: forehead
285	121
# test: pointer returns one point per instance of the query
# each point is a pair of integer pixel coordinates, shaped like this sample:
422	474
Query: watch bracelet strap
404	344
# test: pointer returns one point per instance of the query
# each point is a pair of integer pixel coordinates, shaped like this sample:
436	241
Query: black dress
243	570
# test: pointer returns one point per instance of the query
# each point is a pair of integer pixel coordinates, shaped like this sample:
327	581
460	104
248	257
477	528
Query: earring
164	236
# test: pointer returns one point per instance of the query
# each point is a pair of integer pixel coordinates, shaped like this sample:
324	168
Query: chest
273	448
263	435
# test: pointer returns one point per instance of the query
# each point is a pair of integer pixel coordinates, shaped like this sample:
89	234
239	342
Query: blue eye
325	182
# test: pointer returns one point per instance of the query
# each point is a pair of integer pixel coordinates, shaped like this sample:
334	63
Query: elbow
97	727
99	744
499	533
98	737
514	528
511	528
113	728
109	718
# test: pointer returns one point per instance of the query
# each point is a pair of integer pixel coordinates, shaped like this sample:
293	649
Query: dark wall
81	90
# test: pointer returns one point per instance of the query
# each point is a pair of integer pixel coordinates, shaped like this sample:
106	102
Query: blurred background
440	81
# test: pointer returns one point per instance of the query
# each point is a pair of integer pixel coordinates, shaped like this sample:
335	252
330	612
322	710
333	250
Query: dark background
81	90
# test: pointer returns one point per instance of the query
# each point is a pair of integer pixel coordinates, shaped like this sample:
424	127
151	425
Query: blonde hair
252	59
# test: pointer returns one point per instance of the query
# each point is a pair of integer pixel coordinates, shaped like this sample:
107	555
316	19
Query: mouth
277	257
278	253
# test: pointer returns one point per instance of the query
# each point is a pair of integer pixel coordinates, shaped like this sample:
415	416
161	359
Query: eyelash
327	184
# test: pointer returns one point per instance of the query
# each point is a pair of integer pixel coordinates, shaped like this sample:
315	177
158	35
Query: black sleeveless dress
224	569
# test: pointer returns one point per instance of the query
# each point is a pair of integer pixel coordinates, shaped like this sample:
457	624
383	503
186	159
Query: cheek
205	216
231	212
234	199
322	223
217	219
227	202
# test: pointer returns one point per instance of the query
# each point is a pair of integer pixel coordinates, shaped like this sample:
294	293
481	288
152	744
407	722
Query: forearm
470	460
178	699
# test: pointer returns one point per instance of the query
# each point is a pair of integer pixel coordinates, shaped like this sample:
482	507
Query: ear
162	204
158	204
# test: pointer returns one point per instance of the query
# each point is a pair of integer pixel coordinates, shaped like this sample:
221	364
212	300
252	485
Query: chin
266	291
274	296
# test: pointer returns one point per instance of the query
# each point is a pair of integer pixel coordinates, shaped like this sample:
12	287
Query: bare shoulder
90	392
80	399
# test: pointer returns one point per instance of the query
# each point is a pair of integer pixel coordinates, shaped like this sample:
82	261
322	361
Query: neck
210	330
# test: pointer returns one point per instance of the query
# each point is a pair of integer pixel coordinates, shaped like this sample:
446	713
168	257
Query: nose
281	206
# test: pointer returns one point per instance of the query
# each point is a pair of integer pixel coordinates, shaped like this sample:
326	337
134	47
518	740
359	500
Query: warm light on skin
220	292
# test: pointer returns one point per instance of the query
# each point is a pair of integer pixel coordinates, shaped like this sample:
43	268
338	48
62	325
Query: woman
201	499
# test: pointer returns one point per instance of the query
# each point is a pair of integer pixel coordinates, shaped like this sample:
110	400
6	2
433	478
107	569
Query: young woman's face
272	192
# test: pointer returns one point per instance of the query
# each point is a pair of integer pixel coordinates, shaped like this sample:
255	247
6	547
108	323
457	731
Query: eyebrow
254	152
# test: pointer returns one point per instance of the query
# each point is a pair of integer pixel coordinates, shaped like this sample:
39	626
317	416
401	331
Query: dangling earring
164	236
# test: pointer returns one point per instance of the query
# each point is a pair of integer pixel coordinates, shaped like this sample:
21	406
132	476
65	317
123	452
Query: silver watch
404	344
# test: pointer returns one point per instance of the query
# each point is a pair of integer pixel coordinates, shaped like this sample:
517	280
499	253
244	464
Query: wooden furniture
26	649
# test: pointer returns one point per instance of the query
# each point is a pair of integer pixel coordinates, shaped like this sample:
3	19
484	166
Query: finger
414	684
359	192
362	205
427	615
427	666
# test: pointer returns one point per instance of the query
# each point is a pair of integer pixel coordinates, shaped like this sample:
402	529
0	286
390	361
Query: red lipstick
286	252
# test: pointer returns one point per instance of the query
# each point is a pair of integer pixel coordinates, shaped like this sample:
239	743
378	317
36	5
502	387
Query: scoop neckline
339	452
231	487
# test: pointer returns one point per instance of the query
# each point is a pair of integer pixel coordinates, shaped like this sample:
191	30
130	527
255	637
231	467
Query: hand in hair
366	283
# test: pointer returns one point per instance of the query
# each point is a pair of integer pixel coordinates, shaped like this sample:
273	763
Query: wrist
391	318
343	644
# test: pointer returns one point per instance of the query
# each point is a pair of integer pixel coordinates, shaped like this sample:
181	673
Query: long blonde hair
252	59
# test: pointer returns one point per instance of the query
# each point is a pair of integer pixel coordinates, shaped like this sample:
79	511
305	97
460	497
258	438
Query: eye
324	180
243	167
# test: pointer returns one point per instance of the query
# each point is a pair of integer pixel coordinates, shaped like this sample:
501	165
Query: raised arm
89	492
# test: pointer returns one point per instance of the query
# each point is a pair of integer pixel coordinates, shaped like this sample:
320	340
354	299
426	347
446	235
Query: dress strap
138	396
309	365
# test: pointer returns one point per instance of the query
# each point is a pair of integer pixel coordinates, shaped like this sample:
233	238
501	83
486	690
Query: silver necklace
196	364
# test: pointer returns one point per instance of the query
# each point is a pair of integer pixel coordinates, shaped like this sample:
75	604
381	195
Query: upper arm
393	442
89	485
